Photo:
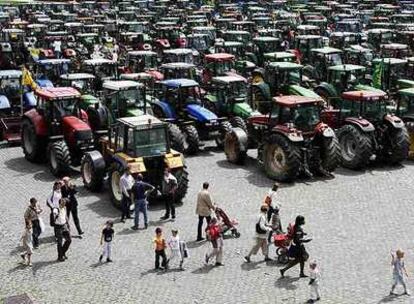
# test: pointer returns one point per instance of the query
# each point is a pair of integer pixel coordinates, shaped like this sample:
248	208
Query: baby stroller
282	243
227	224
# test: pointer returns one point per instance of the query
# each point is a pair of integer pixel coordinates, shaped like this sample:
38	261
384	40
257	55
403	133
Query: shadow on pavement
39	265
47	240
390	298
203	270
251	266
286	283
196	244
127	231
15	251
97	264
18	267
103	209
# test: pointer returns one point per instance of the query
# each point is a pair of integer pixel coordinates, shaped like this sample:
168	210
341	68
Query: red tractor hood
158	76
72	123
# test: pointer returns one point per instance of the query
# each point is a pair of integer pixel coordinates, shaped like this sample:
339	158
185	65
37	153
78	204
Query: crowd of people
63	205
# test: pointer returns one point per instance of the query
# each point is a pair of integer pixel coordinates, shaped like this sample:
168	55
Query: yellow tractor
140	142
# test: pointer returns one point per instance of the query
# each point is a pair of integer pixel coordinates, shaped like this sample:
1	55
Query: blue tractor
48	71
181	105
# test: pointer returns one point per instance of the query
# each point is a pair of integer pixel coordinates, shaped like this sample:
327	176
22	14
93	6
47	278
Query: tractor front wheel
238	122
182	183
235	146
93	170
330	154
282	159
192	139
114	185
356	147
176	137
224	128
400	145
32	144
59	158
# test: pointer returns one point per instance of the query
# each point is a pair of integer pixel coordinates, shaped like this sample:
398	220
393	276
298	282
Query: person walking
159	247
27	244
204	208
315	276
173	243
169	188
214	234
107	236
53	202
32	215
126	182
297	249
262	230
399	271
62	230
275	224
138	196
69	191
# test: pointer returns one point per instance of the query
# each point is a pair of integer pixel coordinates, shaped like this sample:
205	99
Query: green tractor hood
134	112
405	83
242	109
301	91
364	87
88	100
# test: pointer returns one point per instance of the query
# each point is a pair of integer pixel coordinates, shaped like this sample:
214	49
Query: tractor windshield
223	67
374	110
149	142
334	59
305	117
237	89
132	97
406	106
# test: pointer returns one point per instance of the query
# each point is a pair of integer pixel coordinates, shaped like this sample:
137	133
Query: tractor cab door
118	137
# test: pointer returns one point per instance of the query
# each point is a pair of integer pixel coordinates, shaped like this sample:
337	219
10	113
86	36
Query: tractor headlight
328	132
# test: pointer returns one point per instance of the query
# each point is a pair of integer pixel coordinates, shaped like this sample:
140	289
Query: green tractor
278	78
394	73
227	97
279	57
320	60
263	45
405	110
84	83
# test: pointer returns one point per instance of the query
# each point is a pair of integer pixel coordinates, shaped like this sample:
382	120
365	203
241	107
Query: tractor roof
77	76
98	61
235	32
342	34
121	85
363	95
52	61
285	65
295	100
178	51
356	48
228	79
307	27
177	83
279	55
82	35
57	93
229	43
219	57
394	46
391	61
265	39
136	76
408	91
10	74
378	31
327	50
306	37
177	65
346	68
140	122
142	53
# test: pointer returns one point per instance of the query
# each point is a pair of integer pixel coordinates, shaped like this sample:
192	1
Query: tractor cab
244	63
394	50
394	71
367	104
239	36
180	55
88	41
279	57
321	59
358	55
342	40
199	42
263	45
48	71
405	110
306	29
176	70
218	64
305	43
84	83
125	98
142	61
349	25
181	92
379	36
103	69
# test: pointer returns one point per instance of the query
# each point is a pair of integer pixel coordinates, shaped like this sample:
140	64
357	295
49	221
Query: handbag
42	225
259	229
52	219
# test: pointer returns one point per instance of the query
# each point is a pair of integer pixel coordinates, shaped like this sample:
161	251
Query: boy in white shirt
314	276
174	245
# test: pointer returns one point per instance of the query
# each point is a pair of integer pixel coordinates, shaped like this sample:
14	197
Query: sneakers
165	217
267	259
200	239
134	228
282	273
108	260
100	259
81	232
219	264
206	259
146	226
247	259
122	221
302	275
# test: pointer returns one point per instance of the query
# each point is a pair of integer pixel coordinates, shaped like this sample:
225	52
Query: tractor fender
264	89
291	134
4	102
363	124
394	121
242	137
37	120
200	114
29	100
324	130
166	108
328	88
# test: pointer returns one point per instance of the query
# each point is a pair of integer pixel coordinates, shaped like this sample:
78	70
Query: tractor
320	60
48	71
358	55
176	70
56	129
291	139
103	69
140	143
278	78
84	83
143	61
405	110
228	97
179	55
278	57
365	130
181	105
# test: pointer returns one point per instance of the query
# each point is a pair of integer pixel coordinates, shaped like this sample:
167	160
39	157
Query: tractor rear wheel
176	137
330	154
224	128
191	139
356	147
238	122
93	170
281	158
235	146
114	185
182	183
59	158
400	145
32	144
98	117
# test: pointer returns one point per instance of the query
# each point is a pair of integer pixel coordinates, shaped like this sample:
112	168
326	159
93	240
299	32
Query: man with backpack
262	230
214	235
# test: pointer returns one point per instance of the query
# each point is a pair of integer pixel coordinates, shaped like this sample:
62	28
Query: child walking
159	247
106	240
174	245
399	271
27	244
314	276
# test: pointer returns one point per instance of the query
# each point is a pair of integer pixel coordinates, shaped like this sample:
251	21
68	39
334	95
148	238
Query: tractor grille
83	135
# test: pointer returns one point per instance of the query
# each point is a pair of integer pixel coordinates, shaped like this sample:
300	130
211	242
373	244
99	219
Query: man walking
68	191
126	183
203	209
169	187
262	229
139	197
62	230
32	216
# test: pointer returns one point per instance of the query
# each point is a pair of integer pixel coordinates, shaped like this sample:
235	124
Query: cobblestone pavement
354	219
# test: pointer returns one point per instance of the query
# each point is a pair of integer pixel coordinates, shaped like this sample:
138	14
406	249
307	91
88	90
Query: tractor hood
77	132
134	112
158	76
301	91
242	109
200	114
364	87
405	83
88	100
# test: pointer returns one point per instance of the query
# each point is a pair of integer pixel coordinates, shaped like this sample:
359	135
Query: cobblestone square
354	219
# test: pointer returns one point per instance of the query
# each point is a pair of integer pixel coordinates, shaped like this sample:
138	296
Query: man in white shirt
62	230
57	48
126	182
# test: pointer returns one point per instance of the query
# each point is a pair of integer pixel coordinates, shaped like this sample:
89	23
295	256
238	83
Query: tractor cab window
306	117
190	95
62	108
237	89
406	106
334	59
150	142
349	108
130	98
374	110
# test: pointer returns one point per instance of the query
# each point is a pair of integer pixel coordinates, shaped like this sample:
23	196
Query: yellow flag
27	79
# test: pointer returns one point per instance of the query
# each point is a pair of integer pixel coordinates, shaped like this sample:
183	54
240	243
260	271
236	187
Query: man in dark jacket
139	197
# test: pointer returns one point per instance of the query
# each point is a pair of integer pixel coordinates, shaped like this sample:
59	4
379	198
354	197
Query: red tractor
57	130
291	139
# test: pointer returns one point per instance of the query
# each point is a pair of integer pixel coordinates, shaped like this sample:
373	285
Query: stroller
282	243
227	224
